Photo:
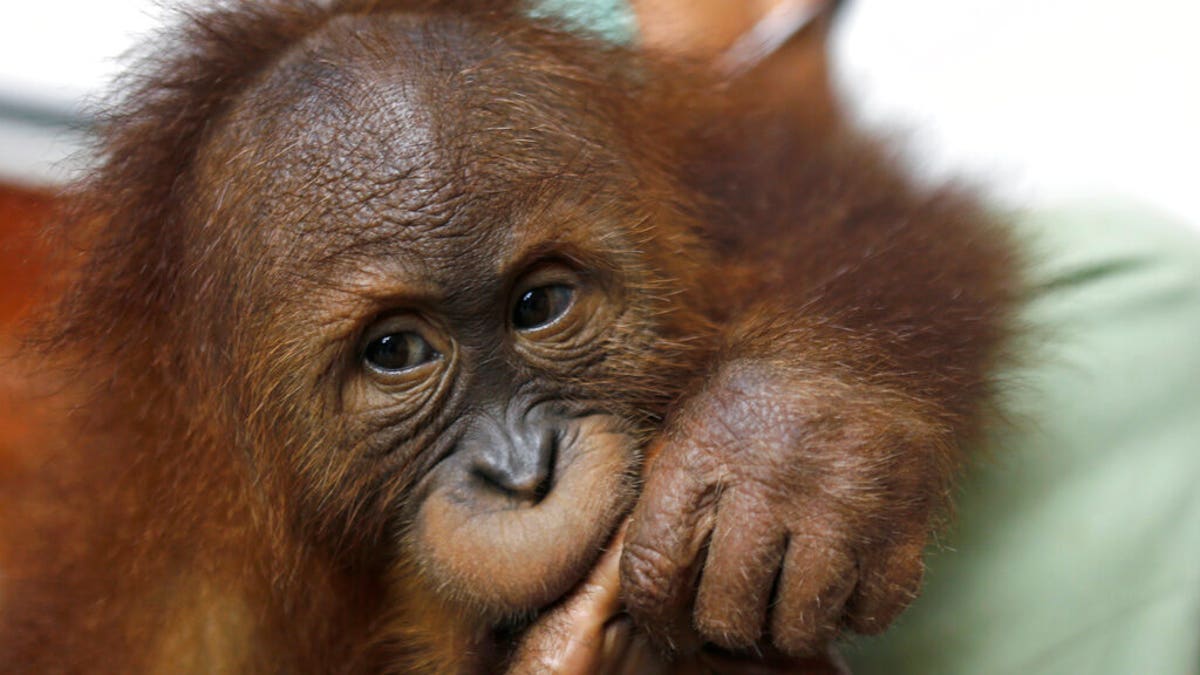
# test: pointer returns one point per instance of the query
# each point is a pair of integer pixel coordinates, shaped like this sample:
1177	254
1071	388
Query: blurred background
1043	100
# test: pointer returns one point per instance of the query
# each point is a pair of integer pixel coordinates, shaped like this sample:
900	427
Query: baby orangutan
380	305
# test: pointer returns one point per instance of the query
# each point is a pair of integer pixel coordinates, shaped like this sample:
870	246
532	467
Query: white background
1050	99
1041	99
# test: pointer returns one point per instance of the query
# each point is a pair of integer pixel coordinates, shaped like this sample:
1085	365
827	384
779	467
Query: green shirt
1077	543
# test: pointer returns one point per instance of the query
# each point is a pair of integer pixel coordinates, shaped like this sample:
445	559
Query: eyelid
547	273
402	322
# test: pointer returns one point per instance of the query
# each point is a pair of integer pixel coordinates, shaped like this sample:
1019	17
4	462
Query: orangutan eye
399	352
542	306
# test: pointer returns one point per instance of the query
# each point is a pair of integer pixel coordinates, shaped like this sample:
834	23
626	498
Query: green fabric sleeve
611	20
1077	541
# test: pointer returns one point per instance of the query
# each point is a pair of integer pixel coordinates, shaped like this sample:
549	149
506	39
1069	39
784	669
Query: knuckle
647	578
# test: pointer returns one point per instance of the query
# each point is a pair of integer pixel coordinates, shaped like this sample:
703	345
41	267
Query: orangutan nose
515	458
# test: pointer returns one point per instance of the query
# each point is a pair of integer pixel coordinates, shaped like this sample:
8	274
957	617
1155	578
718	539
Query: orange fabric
23	266
23	213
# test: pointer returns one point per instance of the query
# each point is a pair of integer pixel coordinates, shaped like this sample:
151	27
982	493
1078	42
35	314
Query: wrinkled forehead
413	130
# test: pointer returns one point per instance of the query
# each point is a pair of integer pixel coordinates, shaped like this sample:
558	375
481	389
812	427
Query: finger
668	529
576	637
618	639
743	560
639	657
889	582
816	580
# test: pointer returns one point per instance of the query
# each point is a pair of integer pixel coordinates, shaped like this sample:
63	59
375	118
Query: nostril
494	479
541	490
549	456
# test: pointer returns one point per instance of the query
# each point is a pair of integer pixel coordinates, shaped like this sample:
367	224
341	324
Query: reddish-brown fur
815	337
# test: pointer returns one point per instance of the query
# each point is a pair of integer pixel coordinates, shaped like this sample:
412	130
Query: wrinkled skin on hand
785	503
588	633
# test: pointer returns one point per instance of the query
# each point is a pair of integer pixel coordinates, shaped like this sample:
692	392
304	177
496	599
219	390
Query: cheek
501	558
